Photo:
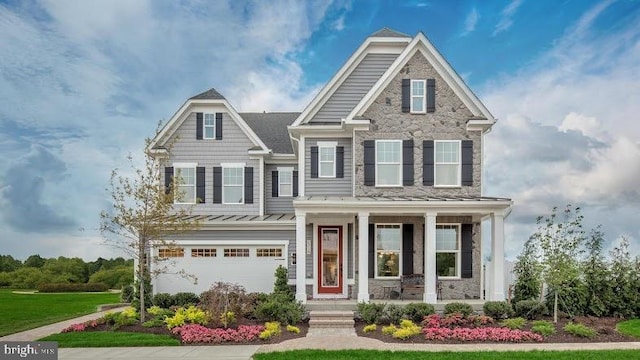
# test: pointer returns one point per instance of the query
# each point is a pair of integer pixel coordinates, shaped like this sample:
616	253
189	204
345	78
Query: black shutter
427	163
467	162
340	162
466	251
314	162
218	126
406	95
248	185
372	250
200	185
199	127
217	185
407	162
168	178
431	95
295	183
274	184
407	249
369	162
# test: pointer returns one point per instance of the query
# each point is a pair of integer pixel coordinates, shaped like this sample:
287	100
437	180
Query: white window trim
400	164
232	166
280	170
424	96
326	144
375	256
458	252
204	125
435	164
193	166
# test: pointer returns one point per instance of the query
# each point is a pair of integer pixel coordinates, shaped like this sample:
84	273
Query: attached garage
250	263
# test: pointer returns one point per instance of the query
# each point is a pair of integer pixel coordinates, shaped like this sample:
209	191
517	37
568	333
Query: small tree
597	277
624	281
561	239
142	214
527	269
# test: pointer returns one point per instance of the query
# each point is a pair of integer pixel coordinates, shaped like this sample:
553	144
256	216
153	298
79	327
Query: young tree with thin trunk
142	215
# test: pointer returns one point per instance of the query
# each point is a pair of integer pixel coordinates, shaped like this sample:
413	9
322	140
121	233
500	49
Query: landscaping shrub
497	309
389	330
68	287
480	320
481	334
530	309
370	328
515	323
393	313
271	329
155	322
417	311
432	321
227	318
223	297
371	313
543	327
281	285
293	329
579	330
185	299
126	295
183	316
458	307
194	333
280	308
157	311
407	329
454	320
163	300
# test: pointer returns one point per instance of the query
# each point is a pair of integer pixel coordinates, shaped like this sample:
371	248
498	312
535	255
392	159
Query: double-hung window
185	182
327	160
388	163
448	250
232	183
418	98
388	250
447	163
209	125
285	182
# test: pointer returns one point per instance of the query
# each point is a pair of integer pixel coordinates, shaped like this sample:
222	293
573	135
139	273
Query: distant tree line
36	270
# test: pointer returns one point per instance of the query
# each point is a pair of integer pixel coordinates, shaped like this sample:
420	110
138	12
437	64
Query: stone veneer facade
448	122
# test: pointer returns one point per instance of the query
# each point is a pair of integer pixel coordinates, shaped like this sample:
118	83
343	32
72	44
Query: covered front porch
358	248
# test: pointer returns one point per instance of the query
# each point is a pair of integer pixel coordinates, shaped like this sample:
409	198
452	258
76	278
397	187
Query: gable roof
272	129
420	43
386	32
211	94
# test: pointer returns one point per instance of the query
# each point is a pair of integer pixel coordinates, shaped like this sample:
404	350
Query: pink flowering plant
194	333
91	324
457	327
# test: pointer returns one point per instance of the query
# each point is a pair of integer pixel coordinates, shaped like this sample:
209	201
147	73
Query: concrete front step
331	319
316	323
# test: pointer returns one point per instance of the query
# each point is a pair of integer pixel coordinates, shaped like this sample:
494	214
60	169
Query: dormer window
418	98
209	125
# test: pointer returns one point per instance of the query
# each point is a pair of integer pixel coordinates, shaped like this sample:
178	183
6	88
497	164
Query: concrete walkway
326	339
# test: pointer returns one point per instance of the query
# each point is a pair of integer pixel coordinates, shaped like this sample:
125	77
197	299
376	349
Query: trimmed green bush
543	327
530	309
417	311
127	294
163	300
393	313
579	330
497	309
371	313
185	299
280	308
64	287
514	323
458	307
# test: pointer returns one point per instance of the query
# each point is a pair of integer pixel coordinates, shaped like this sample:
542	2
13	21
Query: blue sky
83	83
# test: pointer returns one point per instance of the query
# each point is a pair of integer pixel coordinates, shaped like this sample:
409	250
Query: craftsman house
378	177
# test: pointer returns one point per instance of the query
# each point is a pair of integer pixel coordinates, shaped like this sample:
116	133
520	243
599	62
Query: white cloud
506	17
470	22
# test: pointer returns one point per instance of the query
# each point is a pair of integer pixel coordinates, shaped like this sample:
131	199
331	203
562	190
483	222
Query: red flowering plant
481	334
194	333
91	324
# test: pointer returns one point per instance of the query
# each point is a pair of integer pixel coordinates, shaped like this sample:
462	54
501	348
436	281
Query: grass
630	327
21	312
426	355
110	339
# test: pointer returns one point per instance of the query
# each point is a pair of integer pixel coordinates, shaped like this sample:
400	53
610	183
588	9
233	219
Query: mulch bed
605	328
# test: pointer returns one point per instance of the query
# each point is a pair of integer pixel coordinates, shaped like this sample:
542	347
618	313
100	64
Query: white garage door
252	266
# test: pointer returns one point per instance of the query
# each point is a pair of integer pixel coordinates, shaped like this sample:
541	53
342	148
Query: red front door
330	259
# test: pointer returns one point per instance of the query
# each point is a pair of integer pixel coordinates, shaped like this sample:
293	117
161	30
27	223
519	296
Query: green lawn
19	312
630	327
419	355
110	339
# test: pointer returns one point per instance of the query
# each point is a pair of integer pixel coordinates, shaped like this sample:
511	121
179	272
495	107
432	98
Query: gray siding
278	205
353	89
329	186
209	153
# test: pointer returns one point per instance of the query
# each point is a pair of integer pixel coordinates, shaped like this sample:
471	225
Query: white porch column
430	295
497	257
363	257
301	266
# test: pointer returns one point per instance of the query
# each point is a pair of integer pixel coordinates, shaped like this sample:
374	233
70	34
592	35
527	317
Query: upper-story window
447	163
448	250
388	163
209	125
388	250
327	160
418	98
285	182
232	183
185	181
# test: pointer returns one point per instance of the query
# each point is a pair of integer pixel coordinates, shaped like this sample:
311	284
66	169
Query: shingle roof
211	94
271	128
386	32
